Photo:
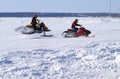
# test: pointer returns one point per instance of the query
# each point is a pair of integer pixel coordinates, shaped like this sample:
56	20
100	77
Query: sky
73	6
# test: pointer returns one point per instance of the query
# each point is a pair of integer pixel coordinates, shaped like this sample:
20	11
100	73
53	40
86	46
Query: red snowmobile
80	32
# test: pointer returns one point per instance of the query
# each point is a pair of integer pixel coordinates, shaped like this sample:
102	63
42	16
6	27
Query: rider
74	24
34	21
37	25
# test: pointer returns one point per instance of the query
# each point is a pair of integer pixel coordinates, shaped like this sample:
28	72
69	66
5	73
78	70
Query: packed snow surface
36	57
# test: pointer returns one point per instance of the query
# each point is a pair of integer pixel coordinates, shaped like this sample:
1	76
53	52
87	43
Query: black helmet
76	19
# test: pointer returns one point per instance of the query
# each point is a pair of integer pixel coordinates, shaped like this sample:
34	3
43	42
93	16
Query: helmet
76	19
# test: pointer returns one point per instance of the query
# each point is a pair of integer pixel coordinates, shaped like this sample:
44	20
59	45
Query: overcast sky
73	6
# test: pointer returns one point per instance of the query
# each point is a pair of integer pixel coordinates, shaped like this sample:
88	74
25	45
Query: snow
36	57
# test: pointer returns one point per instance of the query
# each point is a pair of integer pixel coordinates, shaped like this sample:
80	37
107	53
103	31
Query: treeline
40	14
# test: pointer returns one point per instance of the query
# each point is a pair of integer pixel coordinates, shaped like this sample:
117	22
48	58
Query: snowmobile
80	32
28	29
